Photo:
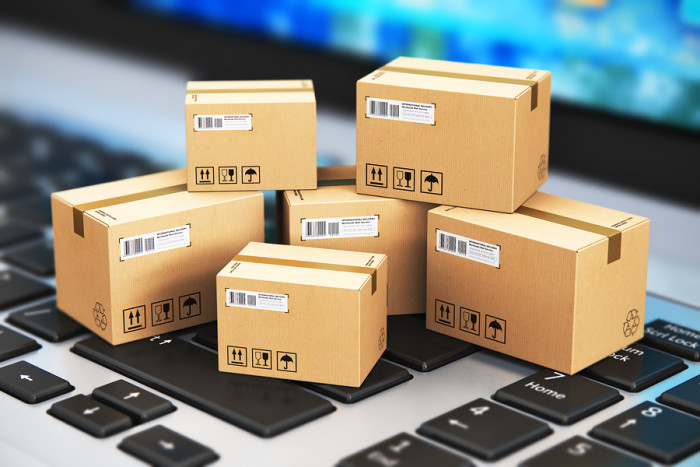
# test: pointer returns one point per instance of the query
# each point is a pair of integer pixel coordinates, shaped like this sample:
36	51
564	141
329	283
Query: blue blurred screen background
639	58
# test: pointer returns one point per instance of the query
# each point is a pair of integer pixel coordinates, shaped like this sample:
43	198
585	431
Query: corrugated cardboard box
306	314
335	216
250	135
559	283
441	132
138	257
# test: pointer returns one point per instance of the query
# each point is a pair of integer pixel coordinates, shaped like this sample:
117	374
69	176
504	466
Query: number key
579	451
661	433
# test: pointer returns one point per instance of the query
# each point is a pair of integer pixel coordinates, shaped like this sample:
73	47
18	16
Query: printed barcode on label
210	122
401	110
223	122
154	242
257	300
468	248
362	226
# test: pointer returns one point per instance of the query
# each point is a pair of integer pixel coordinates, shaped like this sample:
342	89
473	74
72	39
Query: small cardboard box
299	313
559	283
335	216
441	132
250	135
138	257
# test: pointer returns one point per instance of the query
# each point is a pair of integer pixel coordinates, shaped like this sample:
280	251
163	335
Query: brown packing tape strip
243	90
614	235
533	84
337	182
311	265
79	209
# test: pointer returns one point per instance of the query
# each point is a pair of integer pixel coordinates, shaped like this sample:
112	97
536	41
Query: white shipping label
223	122
400	110
468	248
340	227
154	242
257	300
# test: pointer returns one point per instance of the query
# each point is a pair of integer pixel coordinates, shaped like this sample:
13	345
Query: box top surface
449	76
143	197
249	92
353	267
523	222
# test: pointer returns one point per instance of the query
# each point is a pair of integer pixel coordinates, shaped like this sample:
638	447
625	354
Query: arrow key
141	405
31	384
91	416
164	447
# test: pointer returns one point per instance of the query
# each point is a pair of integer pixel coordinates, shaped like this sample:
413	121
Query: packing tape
311	265
337	182
533	84
79	209
614	235
232	91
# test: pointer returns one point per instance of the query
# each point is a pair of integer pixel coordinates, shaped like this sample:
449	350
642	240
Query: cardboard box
335	216
559	283
138	257
250	135
441	132
299	313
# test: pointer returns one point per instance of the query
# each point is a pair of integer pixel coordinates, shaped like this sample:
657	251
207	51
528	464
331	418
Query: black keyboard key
685	397
404	450
660	433
263	406
410	344
557	397
14	232
165	448
581	452
485	429
383	376
16	288
207	336
47	322
91	416
31	384
142	406
635	368
672	338
13	343
35	258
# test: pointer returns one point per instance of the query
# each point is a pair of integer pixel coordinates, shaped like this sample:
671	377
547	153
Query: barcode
316	229
383	109
210	122
468	248
139	245
242	299
333	229
448	242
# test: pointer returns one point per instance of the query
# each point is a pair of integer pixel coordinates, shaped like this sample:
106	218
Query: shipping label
257	300
223	122
340	227
468	248
154	242
400	110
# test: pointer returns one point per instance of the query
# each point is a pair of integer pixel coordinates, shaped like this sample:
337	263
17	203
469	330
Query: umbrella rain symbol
495	326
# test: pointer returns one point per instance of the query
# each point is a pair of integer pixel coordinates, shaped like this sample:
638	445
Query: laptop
67	398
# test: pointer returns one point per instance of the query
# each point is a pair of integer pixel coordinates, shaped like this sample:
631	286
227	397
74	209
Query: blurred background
93	90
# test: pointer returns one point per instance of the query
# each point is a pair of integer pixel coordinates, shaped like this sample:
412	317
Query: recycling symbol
98	312
629	327
382	338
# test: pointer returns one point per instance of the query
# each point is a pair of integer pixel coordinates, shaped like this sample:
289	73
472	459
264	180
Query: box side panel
610	298
318	334
402	237
531	152
279	153
175	288
372	322
464	159
522	308
82	271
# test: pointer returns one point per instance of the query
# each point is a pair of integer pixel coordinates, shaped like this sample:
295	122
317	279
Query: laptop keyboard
431	399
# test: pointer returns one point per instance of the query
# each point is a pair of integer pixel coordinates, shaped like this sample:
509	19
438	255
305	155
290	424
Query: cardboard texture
138	257
335	216
299	313
559	283
250	135
442	132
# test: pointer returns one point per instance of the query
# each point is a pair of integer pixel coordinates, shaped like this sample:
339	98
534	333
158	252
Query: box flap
261	91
